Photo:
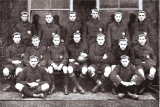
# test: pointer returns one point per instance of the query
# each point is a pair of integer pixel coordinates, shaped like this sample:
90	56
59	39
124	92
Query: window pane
40	4
64	4
129	3
108	3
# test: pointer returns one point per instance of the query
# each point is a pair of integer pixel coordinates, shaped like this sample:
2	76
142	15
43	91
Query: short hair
35	37
72	12
125	57
56	36
48	14
77	33
24	13
16	33
142	35
141	11
123	39
118	12
34	56
96	10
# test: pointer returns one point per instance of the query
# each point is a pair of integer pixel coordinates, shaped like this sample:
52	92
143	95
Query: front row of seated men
31	71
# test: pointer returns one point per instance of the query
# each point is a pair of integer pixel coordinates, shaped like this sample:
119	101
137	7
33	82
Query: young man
47	30
78	55
117	30
14	56
121	49
142	26
91	28
71	27
100	60
33	81
145	61
58	59
26	29
38	50
126	77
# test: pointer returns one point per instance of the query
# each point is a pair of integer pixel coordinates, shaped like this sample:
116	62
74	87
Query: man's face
24	17
142	40
118	17
56	41
17	39
72	17
123	45
94	14
35	42
76	38
100	40
125	62
33	62
49	18
141	17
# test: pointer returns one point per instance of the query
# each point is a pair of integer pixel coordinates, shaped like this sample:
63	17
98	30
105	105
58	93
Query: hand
29	32
59	67
105	56
61	57
54	66
22	55
143	62
62	40
71	60
76	63
83	54
33	84
16	62
132	83
125	83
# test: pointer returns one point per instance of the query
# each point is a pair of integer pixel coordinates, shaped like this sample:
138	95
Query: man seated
121	49
78	55
125	76
14	56
145	61
100	60
34	80
58	59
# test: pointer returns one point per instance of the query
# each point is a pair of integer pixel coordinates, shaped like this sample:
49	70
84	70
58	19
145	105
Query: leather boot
114	89
53	88
97	81
65	79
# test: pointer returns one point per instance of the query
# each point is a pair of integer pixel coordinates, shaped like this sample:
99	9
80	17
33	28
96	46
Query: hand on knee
19	86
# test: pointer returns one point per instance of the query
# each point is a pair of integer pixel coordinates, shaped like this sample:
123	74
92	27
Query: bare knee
18	71
50	69
107	71
19	86
84	70
6	72
45	87
70	69
91	71
65	69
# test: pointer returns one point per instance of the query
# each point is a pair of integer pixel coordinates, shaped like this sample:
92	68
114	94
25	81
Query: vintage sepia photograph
79	53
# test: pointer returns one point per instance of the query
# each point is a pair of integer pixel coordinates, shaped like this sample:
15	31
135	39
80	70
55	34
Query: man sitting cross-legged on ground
78	54
58	59
126	77
100	60
34	80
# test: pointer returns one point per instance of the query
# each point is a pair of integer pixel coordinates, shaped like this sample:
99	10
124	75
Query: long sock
81	79
74	79
103	79
37	90
27	92
95	78
65	79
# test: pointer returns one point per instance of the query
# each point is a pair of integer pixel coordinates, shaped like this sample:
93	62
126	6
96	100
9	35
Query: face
33	62
24	18
56	41
72	17
118	17
142	40
76	38
94	14
17	39
125	62
35	42
101	40
49	18
123	45
141	17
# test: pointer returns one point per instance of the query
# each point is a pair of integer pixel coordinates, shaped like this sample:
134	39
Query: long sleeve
65	56
22	77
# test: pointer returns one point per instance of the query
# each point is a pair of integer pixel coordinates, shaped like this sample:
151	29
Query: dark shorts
12	67
99	67
77	67
146	67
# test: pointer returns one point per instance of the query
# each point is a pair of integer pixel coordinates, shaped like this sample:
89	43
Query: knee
70	69
65	69
91	71
45	87
107	71
84	70
19	86
18	71
113	66
50	70
6	72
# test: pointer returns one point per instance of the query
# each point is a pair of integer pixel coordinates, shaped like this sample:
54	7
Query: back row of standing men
89	49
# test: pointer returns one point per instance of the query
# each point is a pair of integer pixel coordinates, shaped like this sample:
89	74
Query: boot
65	78
53	88
74	80
26	92
102	88
81	79
114	91
103	79
144	86
133	96
121	95
74	89
40	95
11	81
98	83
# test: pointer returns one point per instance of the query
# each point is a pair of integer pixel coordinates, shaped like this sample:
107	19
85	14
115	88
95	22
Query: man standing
92	27
145	61
100	60
14	56
26	29
58	59
47	30
33	81
78	55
